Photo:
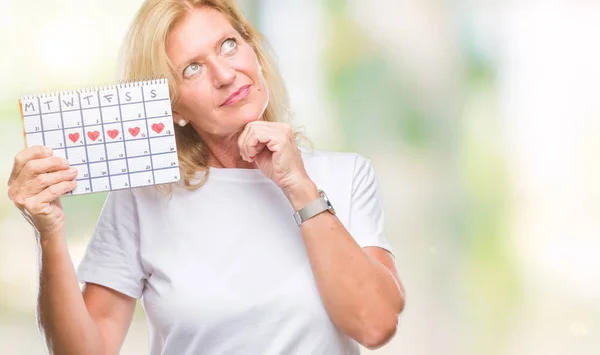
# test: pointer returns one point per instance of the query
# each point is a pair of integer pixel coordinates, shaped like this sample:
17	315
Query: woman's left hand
273	147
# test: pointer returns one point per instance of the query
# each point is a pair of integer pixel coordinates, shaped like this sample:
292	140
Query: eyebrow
194	58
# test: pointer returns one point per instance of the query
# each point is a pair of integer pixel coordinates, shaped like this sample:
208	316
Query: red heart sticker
112	133
93	135
158	127
74	137
134	131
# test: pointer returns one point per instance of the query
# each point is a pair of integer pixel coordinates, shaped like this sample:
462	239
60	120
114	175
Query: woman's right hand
37	181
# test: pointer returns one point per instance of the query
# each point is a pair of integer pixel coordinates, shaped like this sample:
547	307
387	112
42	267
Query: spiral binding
123	84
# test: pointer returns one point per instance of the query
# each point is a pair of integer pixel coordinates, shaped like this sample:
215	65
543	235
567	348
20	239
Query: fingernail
48	151
72	170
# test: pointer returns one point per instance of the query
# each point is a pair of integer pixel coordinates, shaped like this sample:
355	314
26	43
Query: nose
223	73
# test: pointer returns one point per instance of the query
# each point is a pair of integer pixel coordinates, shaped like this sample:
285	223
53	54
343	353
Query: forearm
360	294
62	314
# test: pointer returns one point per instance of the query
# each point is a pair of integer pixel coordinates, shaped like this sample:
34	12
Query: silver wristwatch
317	206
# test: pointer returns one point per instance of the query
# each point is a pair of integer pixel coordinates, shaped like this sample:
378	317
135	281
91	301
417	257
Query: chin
254	116
252	112
237	121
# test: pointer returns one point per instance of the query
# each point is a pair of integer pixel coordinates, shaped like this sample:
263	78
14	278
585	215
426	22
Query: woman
222	261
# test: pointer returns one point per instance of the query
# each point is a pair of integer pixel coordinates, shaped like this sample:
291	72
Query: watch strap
312	209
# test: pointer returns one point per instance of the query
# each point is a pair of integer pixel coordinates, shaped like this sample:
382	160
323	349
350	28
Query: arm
93	323
359	287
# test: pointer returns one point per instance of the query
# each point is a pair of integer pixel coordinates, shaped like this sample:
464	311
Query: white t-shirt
223	269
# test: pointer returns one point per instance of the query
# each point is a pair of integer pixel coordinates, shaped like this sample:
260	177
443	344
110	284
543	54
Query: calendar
119	136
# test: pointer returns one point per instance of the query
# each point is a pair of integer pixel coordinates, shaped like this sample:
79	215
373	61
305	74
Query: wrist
49	240
302	193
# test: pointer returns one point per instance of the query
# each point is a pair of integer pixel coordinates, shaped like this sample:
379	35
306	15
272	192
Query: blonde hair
144	56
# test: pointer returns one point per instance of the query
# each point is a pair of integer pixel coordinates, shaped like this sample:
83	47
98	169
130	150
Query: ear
177	117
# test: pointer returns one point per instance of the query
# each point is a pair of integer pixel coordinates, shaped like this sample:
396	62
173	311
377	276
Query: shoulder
335	166
140	195
333	160
344	176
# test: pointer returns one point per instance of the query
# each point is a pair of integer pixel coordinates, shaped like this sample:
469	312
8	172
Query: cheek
195	101
263	101
264	93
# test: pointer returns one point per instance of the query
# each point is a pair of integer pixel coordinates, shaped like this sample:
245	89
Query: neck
225	153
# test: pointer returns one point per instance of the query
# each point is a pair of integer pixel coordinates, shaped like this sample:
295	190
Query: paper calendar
118	137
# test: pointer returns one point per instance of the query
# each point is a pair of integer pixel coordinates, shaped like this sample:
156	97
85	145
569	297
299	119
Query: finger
43	181
36	167
286	139
241	140
24	156
271	137
248	137
255	146
24	187
255	141
39	203
251	129
259	149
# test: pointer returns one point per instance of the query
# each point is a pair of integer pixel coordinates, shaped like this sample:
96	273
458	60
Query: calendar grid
62	124
105	147
150	118
134	139
122	104
41	120
148	135
123	174
120	159
106	139
87	158
124	139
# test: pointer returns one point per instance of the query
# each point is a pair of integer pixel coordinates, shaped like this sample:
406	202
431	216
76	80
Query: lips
240	94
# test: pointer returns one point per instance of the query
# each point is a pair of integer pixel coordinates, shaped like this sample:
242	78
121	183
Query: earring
182	123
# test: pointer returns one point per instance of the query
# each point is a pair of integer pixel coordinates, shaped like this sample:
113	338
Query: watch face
326	199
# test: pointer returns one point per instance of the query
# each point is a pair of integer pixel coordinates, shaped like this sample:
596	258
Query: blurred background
482	119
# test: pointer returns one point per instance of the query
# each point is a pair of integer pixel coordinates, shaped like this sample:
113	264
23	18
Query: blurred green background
481	119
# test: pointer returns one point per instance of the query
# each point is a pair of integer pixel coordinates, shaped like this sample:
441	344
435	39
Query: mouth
237	96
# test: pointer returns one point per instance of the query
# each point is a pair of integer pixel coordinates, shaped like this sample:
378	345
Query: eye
229	45
191	70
